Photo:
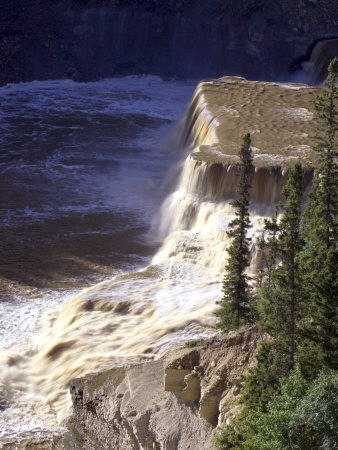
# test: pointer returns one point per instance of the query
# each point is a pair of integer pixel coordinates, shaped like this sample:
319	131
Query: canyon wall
87	39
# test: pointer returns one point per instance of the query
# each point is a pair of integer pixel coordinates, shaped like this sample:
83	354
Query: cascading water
139	314
322	54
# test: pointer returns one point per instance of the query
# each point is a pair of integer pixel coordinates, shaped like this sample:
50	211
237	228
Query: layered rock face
172	403
184	38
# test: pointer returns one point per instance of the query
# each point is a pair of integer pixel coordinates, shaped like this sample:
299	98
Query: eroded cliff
172	403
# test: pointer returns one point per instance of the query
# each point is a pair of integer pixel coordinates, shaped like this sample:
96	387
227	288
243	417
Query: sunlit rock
168	404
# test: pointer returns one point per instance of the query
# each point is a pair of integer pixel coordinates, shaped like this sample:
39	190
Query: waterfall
139	315
321	55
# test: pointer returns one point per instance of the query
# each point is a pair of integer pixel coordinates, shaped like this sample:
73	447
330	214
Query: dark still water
81	169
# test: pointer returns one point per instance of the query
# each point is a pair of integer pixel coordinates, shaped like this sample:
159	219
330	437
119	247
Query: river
82	168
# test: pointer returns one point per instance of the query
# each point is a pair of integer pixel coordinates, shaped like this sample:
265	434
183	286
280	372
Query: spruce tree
320	259
263	380
280	293
323	199
279	296
287	274
236	303
268	251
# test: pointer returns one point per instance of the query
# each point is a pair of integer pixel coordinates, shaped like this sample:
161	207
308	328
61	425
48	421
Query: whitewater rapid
82	165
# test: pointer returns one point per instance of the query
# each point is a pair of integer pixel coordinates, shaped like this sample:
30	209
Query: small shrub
196	343
303	417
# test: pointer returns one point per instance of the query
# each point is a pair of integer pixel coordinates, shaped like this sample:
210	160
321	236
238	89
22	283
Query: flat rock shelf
278	116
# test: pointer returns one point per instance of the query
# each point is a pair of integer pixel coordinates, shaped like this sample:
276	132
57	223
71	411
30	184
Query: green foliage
321	328
303	416
279	291
320	257
282	292
262	381
317	412
278	297
268	251
196	343
236	303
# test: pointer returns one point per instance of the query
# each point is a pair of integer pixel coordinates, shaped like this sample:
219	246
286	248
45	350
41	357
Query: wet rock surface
279	116
94	39
172	403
